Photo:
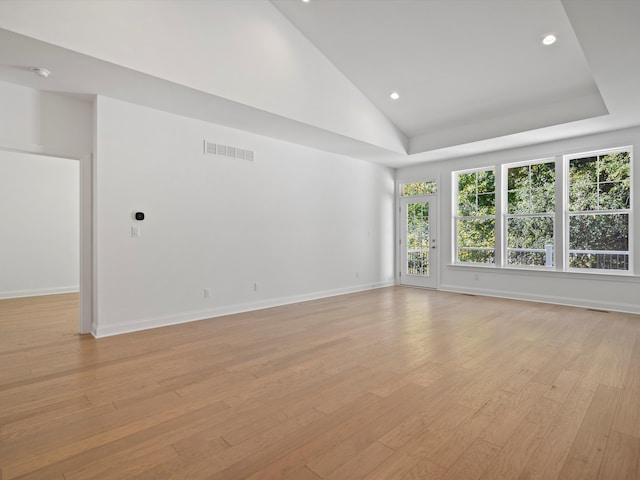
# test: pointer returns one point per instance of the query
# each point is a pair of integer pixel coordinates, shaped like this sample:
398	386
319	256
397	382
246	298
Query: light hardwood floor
395	383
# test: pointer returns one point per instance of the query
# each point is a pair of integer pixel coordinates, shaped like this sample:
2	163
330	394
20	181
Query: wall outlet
357	274
256	287
207	293
135	231
476	276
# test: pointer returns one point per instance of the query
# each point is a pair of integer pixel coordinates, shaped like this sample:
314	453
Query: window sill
544	272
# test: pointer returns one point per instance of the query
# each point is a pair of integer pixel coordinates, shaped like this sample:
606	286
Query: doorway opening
42	259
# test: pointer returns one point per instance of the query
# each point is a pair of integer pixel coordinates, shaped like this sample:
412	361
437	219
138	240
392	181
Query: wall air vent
227	151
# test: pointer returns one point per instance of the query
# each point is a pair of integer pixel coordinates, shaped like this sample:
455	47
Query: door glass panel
418	239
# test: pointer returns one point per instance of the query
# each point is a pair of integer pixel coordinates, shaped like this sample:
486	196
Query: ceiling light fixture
41	72
394	95
549	39
306	1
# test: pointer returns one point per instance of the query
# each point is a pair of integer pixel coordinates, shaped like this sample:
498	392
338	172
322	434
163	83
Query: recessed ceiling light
549	39
41	72
395	95
306	1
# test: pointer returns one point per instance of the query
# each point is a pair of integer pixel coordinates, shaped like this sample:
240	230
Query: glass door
418	259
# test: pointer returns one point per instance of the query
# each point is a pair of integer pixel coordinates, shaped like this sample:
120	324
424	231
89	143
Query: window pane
486	181
418	263
583	197
476	232
418	238
600	261
543	199
543	174
583	170
615	196
600	183
599	232
529	239
467	183
469	255
599	241
518	201
527	258
531	189
419	188
476	240
476	195
486	204
615	167
529	232
518	177
467	205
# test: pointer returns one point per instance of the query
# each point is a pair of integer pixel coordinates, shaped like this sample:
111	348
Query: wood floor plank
362	463
440	416
388	384
517	407
448	453
333	458
261	448
589	445
512	459
621	458
307	448
132	462
627	419
548	459
411	455
302	473
39	459
473	462
425	470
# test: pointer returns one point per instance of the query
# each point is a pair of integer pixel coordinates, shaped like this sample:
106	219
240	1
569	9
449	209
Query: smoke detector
41	72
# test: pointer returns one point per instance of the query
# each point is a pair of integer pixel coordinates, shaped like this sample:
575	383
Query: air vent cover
228	151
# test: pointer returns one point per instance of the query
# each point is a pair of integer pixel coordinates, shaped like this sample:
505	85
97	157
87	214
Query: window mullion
561	239
500	231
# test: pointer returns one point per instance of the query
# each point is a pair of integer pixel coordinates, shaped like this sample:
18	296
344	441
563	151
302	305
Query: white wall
39	214
610	292
295	80
44	122
39	195
299	222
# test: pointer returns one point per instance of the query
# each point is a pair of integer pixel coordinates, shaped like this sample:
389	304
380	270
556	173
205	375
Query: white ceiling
453	62
472	74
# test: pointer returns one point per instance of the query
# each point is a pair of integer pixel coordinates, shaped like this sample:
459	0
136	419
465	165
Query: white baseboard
38	292
555	300
174	319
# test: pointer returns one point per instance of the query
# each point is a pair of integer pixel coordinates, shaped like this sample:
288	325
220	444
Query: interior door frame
87	270
87	258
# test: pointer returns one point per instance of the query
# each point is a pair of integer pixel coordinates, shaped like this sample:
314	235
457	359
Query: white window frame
505	215
566	213
494	217
561	219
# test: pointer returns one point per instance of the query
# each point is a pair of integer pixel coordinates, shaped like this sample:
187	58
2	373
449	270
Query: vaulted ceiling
472	75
